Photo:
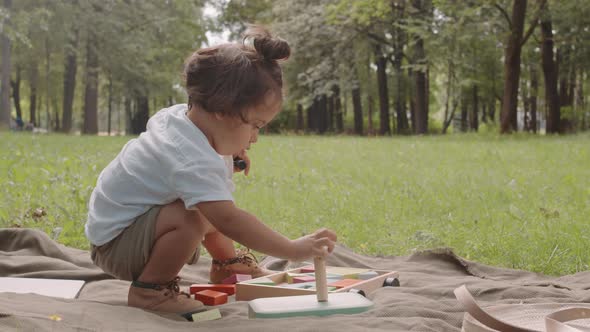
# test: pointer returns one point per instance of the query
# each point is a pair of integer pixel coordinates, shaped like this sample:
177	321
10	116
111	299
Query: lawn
516	201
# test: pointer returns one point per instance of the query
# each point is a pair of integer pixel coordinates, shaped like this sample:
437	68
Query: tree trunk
512	68
128	116
338	109
412	100
381	62
400	109
421	106
56	123
474	120
357	109
142	114
48	87
91	92
5	71
492	110
299	122
402	125
110	102
526	102
566	76
70	69
310	127
33	83
579	99
533	98
370	114
550	75
464	112
323	114
16	97
330	119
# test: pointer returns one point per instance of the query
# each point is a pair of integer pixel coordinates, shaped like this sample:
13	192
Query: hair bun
268	47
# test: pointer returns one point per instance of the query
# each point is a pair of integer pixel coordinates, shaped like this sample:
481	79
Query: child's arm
246	229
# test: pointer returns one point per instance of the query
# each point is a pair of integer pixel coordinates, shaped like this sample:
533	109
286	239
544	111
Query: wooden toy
310	305
260	281
300	285
290	276
367	275
297	280
211	297
344	283
347	272
227	289
207	315
246	291
235	278
307	269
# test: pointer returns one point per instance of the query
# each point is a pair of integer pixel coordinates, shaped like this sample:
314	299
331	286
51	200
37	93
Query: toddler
170	190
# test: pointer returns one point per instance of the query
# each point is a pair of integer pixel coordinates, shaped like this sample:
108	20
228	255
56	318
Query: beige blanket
424	302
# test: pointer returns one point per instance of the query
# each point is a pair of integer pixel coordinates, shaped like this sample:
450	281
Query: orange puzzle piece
344	283
211	297
227	289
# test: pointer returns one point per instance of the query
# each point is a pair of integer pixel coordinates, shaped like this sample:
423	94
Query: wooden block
301	285
297	280
307	269
210	297
335	276
367	275
289	276
227	289
234	279
261	281
207	315
344	283
346	272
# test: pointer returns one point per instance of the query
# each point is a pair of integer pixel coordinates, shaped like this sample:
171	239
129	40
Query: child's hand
244	156
314	244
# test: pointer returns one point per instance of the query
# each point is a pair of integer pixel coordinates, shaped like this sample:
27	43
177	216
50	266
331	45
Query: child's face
242	134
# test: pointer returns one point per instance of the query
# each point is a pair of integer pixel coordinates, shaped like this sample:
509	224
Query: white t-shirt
172	159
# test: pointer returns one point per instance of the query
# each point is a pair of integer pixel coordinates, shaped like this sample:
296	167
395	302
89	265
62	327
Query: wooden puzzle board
67	289
246	291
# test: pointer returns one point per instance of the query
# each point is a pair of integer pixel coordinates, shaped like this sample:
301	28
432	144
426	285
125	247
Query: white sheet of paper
67	289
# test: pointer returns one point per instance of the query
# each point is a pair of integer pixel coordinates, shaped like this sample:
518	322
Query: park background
406	125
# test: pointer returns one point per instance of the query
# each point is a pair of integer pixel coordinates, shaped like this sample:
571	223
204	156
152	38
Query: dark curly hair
228	78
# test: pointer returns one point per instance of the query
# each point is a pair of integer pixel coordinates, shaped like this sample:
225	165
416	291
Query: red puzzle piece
210	297
227	289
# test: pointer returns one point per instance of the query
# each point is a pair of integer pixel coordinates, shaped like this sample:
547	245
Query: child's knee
175	216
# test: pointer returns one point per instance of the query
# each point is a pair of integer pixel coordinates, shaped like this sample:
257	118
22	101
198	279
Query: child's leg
219	246
222	250
178	233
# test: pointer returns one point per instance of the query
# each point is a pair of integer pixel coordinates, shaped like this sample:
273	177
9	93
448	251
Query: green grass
517	201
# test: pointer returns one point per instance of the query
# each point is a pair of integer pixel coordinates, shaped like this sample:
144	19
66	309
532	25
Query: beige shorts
125	256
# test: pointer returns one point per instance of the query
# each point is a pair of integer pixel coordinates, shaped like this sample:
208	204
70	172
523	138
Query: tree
5	67
550	74
512	66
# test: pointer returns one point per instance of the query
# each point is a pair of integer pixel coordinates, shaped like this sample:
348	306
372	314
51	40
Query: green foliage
362	13
520	201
